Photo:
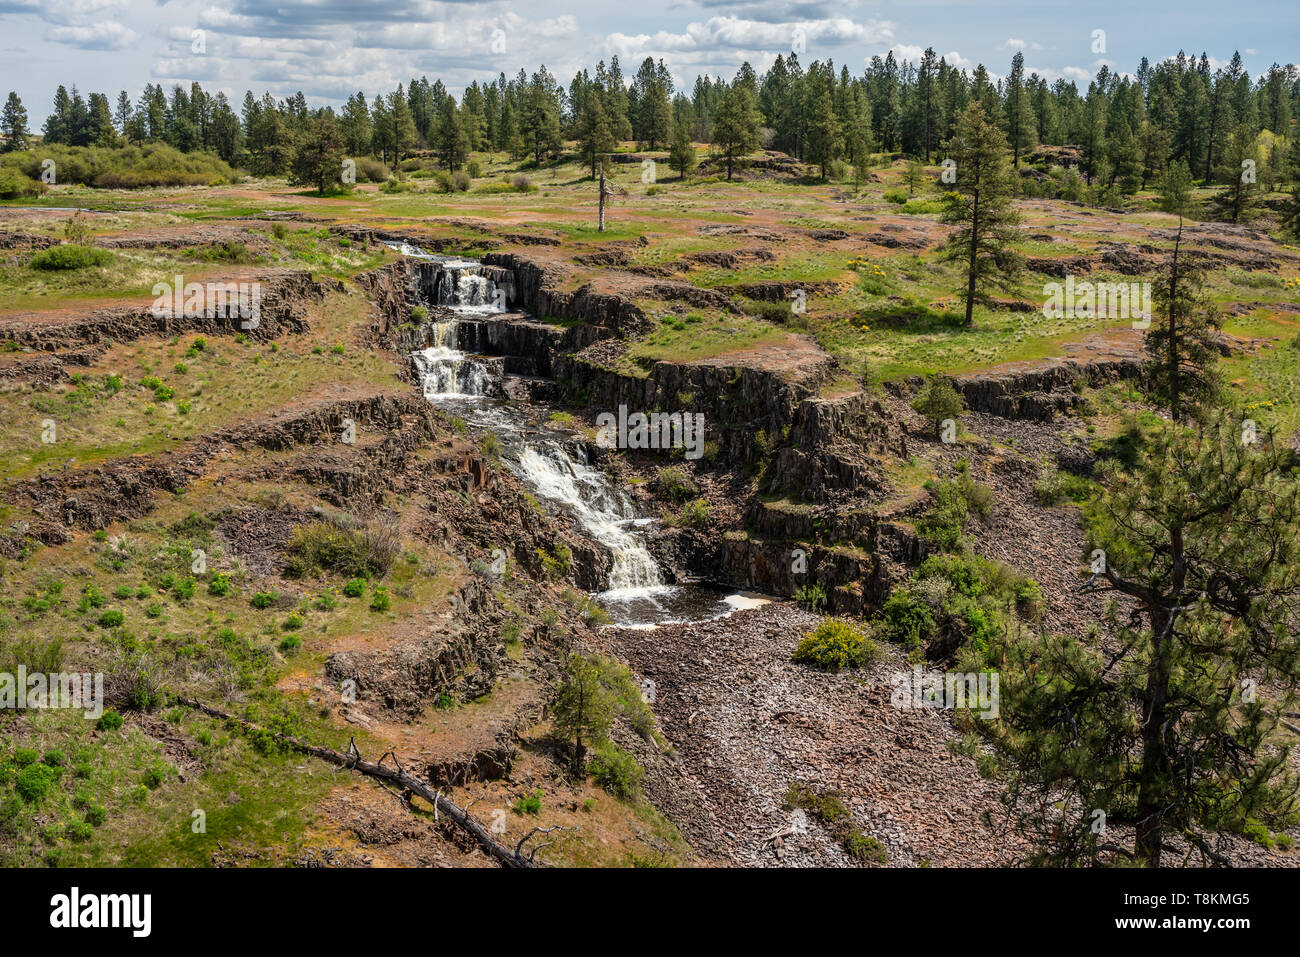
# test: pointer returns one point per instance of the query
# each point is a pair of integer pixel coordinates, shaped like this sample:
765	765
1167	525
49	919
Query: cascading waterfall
447	372
637	596
602	509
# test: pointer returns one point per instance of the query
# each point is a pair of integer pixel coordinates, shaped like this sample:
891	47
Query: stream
553	467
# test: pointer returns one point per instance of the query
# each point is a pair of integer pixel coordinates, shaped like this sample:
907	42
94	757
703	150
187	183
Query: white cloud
907	51
98	36
1014	44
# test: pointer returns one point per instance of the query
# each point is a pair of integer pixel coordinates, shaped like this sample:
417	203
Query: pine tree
980	207
355	125
1182	349
1240	196
938	401
318	160
682	155
824	141
452	139
1163	728
13	124
594	136
583	710
913	175
539	124
735	129
99	127
1020	123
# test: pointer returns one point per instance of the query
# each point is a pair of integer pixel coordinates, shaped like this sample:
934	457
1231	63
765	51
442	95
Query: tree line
1128	128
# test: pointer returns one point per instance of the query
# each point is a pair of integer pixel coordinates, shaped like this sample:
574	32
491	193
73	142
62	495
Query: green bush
71	257
529	804
78	831
355	588
616	771
109	721
35	781
219	585
111	619
896	196
863	847
694	514
1054	487
265	599
381	601
675	485
835	644
126	167
942	524
290	643
292	623
906	619
14	185
365	552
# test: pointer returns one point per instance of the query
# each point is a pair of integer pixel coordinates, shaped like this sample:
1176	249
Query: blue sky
329	48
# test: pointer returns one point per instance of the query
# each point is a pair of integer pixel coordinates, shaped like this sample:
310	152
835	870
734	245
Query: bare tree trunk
974	253
601	224
353	762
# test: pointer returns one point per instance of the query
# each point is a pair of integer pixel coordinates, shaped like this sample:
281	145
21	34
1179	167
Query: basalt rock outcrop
283	296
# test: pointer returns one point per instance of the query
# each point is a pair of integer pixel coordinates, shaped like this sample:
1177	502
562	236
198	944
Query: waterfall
460	285
448	373
636	596
602	509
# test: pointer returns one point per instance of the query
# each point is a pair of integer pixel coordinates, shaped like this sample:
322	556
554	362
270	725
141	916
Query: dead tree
353	761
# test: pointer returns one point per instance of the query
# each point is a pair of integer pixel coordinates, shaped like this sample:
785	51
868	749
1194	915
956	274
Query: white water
448	373
457	284
636	594
603	511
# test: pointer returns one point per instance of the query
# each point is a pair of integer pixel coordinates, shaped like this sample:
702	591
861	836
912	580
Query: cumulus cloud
98	36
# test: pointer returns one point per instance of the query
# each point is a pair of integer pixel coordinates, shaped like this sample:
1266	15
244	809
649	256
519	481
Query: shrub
943	522
461	180
616	771
70	257
906	618
896	196
529	804
35	781
835	644
381	600
14	185
111	619
365	552
863	847
293	622
355	588
812	597
694	514
96	815
219	585
290	643
557	561
1054	487
371	169
826	806
108	721
675	485
78	831
265	599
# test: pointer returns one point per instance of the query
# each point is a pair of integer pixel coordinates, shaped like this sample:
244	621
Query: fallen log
353	761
